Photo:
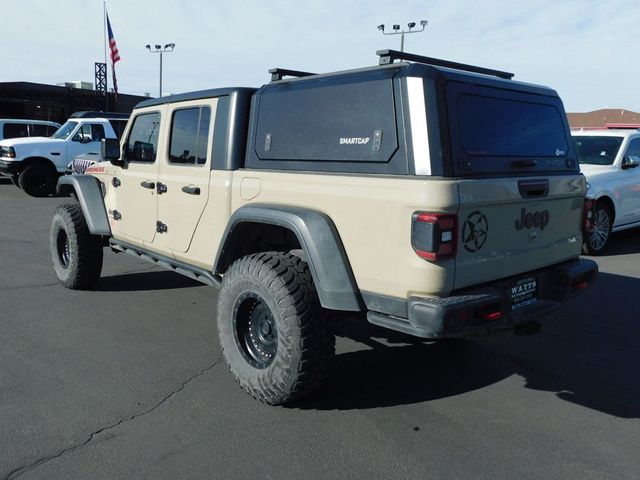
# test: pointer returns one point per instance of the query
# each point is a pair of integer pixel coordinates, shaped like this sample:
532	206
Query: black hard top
184	97
411	65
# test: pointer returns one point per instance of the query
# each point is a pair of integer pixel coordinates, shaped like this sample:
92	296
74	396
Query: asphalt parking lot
128	381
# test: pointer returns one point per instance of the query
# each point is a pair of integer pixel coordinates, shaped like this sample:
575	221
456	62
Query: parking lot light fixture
168	47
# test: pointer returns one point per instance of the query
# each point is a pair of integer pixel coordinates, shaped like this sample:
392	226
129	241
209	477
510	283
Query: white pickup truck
35	163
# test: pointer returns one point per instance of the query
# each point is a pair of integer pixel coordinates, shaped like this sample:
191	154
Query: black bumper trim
10	167
457	315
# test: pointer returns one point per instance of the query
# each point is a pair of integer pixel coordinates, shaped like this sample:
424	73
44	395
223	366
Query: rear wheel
596	240
38	179
75	253
275	336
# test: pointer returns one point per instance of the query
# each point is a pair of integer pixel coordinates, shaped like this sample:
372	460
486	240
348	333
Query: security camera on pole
397	31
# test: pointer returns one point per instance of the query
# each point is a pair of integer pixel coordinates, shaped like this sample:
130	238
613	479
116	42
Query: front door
184	173
86	139
136	197
630	184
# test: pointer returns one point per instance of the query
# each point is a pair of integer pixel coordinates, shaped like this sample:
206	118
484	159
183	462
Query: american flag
115	55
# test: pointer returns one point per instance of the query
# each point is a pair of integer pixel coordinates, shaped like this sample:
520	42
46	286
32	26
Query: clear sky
589	51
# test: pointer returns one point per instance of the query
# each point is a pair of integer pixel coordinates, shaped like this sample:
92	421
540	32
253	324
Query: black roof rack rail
99	114
280	73
389	56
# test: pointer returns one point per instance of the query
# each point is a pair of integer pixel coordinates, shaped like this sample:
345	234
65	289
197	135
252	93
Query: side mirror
110	150
143	152
630	161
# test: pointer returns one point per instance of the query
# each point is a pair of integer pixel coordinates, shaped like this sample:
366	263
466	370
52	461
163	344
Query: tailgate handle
533	188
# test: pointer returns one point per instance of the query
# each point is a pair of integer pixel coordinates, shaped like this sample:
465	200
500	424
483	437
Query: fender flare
319	240
89	194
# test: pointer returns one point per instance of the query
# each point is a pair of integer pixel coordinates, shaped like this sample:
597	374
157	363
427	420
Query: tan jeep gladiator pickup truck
433	198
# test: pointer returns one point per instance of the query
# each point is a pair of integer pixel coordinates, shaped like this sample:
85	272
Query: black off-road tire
75	253
596	241
38	180
15	180
272	295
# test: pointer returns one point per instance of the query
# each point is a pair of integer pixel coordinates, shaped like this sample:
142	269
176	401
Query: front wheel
275	336
75	253
38	180
596	240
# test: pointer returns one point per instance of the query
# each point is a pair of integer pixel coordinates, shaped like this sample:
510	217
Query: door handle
191	190
149	185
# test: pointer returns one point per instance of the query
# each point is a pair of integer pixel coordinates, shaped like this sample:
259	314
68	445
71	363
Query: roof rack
99	114
389	56
280	73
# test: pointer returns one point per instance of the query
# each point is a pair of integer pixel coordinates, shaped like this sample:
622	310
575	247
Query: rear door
521	195
185	167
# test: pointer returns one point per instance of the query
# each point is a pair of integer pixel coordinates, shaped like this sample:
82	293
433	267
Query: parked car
433	198
35	163
610	159
19	128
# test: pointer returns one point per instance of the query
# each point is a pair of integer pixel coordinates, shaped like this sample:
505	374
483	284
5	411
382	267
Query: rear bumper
10	167
480	311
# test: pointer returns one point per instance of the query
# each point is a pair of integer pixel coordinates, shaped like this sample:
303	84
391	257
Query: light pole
397	31
160	49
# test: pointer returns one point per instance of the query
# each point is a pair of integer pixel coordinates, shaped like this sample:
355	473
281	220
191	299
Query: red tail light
434	235
587	214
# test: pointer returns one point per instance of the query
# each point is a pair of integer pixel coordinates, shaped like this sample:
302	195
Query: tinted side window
90	133
39	130
118	127
633	150
15	130
190	136
142	144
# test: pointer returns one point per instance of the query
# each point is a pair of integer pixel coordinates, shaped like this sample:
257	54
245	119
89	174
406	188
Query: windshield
65	130
596	150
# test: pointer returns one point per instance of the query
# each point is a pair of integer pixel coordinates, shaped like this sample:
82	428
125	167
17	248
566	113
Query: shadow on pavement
626	242
587	355
144	281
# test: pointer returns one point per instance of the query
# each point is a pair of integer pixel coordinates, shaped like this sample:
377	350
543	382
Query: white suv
19	128
610	159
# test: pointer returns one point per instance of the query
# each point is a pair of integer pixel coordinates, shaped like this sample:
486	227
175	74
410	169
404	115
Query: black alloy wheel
64	253
255	330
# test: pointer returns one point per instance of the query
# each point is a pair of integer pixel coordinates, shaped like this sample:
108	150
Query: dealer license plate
523	293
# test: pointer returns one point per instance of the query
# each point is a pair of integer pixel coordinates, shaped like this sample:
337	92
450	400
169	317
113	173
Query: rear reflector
492	315
580	285
587	214
433	235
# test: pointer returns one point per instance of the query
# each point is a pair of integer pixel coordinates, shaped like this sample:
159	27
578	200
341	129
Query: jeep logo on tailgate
532	219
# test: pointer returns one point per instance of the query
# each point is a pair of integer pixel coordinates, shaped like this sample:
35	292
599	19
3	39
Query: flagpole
106	76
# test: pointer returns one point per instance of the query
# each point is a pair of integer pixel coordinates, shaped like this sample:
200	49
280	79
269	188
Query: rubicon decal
532	219
475	231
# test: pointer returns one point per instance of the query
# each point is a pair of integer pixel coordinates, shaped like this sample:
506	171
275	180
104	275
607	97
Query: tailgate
510	226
